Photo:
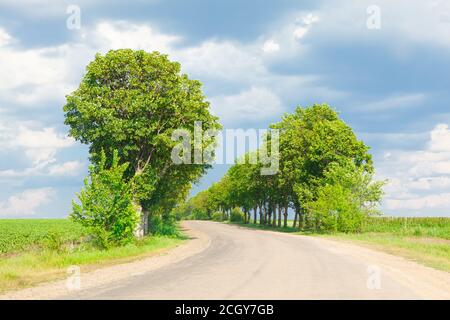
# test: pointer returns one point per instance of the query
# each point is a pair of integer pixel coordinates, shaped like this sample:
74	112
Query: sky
384	65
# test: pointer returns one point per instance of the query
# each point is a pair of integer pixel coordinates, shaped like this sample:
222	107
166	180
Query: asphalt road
241	263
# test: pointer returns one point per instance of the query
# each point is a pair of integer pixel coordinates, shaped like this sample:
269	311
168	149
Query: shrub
236	215
217	216
347	198
198	214
160	226
54	240
106	204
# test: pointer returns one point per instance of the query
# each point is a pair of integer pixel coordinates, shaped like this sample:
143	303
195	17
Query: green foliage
106	204
54	240
236	215
196	208
163	227
132	101
217	216
345	200
325	175
22	234
198	214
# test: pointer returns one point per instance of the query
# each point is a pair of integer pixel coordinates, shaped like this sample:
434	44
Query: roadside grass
40	263
431	252
424	240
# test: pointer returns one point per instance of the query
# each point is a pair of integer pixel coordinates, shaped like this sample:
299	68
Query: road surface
241	263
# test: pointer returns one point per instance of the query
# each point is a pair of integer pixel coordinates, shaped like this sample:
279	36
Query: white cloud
34	77
303	24
403	23
255	104
41	145
224	60
309	19
44	138
394	102
5	38
122	34
300	32
270	46
419	179
438	201
67	168
440	139
26	202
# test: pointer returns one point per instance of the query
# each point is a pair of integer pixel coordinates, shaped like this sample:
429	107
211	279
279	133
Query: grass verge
429	251
28	268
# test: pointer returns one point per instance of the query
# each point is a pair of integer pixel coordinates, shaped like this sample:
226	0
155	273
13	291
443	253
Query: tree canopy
132	102
325	177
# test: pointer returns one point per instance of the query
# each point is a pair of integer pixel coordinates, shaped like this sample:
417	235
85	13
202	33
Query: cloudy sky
389	78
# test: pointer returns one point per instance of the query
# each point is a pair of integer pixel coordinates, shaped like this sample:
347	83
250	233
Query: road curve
241	263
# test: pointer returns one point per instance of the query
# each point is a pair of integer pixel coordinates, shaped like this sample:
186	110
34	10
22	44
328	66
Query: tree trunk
142	227
301	219
254	214
274	220
286	208
266	213
261	215
295	218
279	216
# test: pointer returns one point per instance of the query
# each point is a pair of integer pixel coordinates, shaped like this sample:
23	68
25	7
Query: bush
165	227
237	215
217	216
106	204
54	240
198	214
345	201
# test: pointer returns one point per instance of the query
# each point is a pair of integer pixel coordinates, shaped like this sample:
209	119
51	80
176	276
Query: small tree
237	215
347	197
106	204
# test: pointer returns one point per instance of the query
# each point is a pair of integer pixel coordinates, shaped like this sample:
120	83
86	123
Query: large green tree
132	101
311	139
325	174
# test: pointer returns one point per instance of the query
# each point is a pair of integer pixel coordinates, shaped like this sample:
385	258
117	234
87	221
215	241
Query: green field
20	234
418	227
34	251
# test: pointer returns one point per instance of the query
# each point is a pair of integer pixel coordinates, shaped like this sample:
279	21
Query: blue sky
256	60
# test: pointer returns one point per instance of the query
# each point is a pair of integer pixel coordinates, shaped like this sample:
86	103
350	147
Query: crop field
21	234
38	250
418	227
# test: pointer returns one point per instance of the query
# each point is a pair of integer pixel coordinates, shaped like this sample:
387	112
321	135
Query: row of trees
325	179
126	109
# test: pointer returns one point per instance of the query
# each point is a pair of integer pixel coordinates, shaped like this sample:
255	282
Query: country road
240	263
230	262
